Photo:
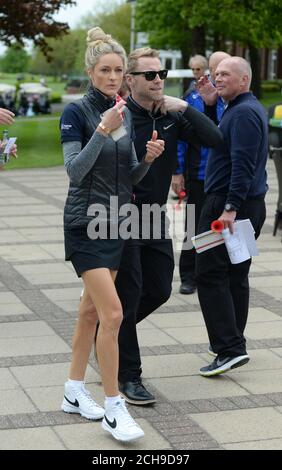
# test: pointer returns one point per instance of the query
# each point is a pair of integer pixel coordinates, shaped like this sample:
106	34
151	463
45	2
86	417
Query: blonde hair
99	44
137	54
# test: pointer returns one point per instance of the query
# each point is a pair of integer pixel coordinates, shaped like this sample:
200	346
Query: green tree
15	60
64	56
251	23
21	20
114	21
166	25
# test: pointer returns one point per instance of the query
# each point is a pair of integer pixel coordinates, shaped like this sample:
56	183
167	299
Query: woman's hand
155	148
113	118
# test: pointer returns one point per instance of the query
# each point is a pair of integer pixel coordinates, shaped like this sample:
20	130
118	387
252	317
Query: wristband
104	128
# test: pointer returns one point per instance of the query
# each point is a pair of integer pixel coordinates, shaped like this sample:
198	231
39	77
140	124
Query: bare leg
100	286
83	337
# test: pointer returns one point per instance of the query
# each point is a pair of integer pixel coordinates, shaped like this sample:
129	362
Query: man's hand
227	218
14	150
155	148
6	116
170	103
177	183
207	91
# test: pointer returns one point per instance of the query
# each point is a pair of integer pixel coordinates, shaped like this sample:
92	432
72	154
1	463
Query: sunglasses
151	74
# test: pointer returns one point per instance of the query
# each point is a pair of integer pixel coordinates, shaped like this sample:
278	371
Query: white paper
11	141
118	133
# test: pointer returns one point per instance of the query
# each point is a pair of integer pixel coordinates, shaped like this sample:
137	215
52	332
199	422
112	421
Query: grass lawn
38	143
270	98
11	79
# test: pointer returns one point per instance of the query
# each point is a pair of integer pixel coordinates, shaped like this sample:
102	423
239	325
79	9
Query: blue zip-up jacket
236	168
192	160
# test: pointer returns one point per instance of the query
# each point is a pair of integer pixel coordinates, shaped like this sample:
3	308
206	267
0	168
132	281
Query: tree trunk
186	53
198	45
255	59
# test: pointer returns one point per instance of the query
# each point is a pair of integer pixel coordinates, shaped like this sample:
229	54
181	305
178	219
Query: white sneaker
120	424
79	400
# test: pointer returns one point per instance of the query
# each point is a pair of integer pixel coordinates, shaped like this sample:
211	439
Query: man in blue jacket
192	161
235	188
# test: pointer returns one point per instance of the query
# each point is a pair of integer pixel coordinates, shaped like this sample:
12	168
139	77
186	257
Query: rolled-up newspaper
241	245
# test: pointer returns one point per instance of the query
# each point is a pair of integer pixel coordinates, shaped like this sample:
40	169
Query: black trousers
187	260
223	288
143	283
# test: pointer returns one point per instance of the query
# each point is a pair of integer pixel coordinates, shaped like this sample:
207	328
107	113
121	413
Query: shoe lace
86	396
138	383
122	412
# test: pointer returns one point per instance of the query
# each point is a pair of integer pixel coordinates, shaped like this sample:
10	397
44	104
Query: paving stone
15	401
47	375
38	311
5	422
91	436
30	439
194	387
266	381
253	424
265	444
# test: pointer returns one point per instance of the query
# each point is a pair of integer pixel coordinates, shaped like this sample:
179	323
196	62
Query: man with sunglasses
146	271
145	276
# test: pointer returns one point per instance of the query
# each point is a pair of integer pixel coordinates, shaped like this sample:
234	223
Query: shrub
56	97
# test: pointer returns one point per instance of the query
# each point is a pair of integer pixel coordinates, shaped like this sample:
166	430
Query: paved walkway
38	300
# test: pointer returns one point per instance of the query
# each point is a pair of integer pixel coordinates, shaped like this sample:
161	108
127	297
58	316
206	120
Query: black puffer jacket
110	175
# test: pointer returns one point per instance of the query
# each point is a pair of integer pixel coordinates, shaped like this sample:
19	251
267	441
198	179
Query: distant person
43	81
192	161
7	118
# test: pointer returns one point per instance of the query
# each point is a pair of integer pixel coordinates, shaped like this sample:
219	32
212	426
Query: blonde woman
100	165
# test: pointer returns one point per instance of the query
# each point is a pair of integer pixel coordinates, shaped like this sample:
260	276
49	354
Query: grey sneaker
211	352
220	366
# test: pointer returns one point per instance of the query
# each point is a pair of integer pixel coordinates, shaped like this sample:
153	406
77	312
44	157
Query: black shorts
86	254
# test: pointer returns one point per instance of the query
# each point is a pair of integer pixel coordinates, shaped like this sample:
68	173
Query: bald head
215	59
240	66
232	77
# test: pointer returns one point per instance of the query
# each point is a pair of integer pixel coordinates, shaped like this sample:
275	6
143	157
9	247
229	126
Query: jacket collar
240	98
134	107
99	100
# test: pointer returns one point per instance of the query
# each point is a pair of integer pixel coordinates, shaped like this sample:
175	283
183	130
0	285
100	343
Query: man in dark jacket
192	161
146	271
235	188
